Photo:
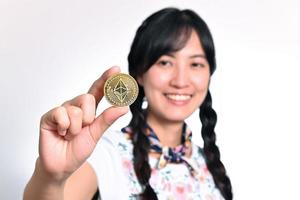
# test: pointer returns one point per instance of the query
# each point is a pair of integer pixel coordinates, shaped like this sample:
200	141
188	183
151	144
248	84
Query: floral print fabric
175	181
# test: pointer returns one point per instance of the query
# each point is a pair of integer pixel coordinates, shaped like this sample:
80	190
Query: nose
180	78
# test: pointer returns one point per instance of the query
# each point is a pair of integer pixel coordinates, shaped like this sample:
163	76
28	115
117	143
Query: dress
112	162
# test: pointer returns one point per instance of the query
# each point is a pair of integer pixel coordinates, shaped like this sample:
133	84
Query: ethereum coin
121	89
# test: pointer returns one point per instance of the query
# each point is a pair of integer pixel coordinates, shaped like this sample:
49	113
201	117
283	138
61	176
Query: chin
177	116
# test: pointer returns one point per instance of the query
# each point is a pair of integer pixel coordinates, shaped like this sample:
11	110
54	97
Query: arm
82	184
42	186
68	135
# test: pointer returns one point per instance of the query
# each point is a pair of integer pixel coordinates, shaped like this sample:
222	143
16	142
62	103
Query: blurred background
52	51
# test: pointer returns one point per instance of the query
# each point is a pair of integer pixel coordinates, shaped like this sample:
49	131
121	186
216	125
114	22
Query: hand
69	133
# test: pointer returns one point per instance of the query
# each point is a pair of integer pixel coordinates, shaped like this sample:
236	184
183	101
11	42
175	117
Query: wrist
49	178
43	186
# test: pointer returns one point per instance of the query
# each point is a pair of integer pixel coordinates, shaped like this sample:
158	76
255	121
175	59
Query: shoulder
106	155
111	137
203	174
107	163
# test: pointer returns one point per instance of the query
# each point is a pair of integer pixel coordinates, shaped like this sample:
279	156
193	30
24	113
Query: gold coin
121	89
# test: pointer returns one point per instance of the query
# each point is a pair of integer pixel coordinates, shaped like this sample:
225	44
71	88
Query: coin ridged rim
131	100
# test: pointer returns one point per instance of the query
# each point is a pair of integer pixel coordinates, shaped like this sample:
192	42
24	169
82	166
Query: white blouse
112	162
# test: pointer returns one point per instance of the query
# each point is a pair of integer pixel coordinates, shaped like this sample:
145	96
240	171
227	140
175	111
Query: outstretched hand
69	133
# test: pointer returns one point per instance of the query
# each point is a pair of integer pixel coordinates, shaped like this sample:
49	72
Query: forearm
41	187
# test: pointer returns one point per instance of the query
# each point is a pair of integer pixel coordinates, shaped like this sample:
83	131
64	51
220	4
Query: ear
140	80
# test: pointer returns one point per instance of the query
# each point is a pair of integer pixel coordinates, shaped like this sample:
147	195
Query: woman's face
176	85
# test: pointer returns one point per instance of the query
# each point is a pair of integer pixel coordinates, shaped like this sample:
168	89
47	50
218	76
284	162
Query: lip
178	99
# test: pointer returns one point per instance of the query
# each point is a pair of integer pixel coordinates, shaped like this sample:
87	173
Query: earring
144	103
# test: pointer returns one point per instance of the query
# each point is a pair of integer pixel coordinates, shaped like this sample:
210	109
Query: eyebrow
198	55
192	56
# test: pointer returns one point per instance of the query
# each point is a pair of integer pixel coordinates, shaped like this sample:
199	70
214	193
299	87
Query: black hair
164	32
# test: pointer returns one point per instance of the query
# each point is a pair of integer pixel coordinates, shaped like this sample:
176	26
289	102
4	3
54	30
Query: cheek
201	83
154	81
201	86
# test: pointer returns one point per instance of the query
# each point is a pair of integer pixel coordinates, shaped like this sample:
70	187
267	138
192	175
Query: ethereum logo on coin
121	89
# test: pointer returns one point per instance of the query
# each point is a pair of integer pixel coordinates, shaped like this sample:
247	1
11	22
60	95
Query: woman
172	58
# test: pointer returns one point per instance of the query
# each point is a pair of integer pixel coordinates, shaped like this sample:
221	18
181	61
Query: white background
51	51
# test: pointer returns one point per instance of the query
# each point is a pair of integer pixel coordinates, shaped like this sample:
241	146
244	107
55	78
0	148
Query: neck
169	133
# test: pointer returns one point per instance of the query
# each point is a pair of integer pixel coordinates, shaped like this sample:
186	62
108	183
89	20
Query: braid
141	146
208	118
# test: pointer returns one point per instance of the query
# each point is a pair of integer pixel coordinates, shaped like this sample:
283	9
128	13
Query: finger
105	120
75	117
56	120
87	104
97	88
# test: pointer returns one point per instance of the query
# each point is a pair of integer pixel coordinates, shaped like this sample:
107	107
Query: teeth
178	97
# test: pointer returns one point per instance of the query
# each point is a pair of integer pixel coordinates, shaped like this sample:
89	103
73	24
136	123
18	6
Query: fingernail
117	68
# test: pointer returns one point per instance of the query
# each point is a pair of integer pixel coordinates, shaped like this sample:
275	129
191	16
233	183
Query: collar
166	154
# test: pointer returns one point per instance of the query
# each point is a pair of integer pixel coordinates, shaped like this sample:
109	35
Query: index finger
97	87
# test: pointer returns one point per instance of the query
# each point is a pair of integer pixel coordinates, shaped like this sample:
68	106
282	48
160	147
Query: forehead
192	46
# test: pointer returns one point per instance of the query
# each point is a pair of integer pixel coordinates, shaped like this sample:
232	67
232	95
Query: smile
178	97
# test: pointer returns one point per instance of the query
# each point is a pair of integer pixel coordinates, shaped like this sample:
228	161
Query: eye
164	63
198	64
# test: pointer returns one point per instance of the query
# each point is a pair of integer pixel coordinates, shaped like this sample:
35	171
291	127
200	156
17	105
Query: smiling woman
179	81
172	58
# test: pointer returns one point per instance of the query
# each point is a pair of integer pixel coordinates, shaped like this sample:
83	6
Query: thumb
105	120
